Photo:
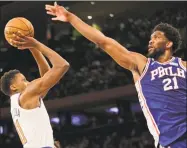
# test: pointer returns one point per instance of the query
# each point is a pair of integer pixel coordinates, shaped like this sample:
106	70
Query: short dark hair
171	34
6	81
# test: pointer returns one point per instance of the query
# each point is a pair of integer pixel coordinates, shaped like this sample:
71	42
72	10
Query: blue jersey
162	96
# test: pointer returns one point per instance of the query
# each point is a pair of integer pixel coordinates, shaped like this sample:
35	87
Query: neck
14	93
165	57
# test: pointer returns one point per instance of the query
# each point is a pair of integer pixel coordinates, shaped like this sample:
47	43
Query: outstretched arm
129	60
41	61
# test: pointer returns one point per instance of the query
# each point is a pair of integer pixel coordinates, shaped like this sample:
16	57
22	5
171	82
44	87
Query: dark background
79	104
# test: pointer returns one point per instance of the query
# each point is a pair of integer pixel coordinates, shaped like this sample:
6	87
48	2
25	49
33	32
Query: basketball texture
18	24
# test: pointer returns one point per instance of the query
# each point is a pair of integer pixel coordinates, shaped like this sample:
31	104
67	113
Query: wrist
69	16
33	50
36	44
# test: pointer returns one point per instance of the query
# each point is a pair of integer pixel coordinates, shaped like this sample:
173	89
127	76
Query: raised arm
59	67
42	64
129	60
41	61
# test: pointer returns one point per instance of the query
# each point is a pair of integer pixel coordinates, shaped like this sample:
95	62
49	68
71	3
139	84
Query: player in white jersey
28	111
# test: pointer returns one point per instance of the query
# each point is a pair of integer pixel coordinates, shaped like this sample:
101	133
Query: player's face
19	83
157	44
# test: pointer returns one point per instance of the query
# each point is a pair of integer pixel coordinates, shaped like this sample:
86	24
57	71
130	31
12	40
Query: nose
150	42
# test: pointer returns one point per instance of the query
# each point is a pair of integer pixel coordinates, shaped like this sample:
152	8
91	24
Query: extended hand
23	42
59	12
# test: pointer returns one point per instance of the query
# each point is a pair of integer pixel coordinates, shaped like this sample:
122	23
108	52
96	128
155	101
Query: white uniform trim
150	120
145	70
152	126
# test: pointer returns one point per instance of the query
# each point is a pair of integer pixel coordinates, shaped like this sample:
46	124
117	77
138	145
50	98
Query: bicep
127	59
51	78
41	86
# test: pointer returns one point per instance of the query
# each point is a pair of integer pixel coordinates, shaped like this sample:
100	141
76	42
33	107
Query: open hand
60	13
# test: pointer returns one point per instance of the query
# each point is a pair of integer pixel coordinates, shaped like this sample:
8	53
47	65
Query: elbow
102	43
67	65
64	65
99	39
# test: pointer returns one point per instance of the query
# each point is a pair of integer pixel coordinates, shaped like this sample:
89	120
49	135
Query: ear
169	44
13	88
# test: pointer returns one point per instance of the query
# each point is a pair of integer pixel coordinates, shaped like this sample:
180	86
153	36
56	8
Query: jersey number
20	133
167	84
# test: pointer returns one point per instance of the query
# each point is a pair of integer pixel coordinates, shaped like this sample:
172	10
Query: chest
169	71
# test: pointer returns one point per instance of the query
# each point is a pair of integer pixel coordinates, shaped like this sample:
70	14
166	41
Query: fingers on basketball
19	27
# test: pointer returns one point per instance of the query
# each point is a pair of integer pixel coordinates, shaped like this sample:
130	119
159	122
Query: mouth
150	48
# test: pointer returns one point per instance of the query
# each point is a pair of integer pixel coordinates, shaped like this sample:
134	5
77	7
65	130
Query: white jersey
33	126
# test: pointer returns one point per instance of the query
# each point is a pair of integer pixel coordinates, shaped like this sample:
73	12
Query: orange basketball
18	24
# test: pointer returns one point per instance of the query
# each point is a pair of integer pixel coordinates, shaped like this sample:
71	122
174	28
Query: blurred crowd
91	69
122	134
114	140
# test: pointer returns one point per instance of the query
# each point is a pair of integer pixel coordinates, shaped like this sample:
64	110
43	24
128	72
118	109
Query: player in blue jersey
160	80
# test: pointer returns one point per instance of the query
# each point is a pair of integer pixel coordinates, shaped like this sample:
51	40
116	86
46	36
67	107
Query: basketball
18	24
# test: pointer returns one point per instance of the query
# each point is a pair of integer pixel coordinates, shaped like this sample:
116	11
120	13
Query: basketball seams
24	35
21	24
17	28
24	23
32	28
29	29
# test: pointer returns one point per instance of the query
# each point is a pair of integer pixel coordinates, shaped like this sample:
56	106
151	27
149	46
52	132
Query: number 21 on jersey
170	84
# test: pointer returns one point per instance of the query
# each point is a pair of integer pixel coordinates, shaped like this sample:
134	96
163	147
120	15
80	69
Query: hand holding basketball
18	24
23	42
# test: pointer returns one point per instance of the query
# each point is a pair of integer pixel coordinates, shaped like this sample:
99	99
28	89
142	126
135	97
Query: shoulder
182	62
137	54
141	61
14	99
30	95
139	57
